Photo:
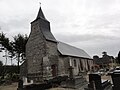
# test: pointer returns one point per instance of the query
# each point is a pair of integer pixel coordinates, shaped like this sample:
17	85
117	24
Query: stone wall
63	65
75	64
52	56
41	54
90	63
78	64
51	52
35	49
23	69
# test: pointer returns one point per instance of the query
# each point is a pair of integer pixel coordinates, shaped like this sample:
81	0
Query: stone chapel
47	58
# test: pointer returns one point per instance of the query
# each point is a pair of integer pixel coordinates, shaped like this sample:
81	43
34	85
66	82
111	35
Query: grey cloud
81	38
105	21
93	44
15	25
104	14
94	47
112	47
75	25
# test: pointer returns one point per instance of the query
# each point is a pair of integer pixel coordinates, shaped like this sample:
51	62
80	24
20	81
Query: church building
48	58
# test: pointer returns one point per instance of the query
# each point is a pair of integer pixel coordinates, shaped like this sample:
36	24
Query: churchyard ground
13	86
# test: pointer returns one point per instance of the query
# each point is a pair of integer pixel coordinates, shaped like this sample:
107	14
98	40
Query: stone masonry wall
41	54
51	51
35	49
63	65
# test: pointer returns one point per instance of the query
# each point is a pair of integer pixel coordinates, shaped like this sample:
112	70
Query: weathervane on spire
40	4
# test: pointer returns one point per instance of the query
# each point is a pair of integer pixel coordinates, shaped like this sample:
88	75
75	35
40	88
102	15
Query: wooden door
54	70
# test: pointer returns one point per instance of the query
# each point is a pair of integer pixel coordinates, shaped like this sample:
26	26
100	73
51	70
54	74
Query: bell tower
41	49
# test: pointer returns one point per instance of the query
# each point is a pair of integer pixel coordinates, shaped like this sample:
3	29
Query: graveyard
45	62
14	86
93	82
51	63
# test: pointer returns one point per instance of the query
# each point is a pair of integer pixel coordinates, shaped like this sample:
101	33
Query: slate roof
69	50
63	48
46	32
48	35
40	14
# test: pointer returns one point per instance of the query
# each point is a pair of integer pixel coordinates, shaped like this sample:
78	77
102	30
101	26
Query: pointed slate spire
40	14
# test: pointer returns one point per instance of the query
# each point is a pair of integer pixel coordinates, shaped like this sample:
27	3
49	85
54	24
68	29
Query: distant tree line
115	60
9	69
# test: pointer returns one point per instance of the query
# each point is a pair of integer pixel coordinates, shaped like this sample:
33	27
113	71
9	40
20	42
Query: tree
104	54
118	58
5	45
1	66
19	44
1	63
15	48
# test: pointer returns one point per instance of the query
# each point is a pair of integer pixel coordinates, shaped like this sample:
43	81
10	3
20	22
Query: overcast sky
92	25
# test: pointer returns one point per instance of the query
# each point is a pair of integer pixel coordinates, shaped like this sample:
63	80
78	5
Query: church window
88	65
81	65
75	64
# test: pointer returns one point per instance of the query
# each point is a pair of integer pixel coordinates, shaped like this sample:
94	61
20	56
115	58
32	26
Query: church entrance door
54	70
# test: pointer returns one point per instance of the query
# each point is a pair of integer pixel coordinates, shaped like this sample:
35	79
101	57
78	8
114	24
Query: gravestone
71	72
20	84
96	83
116	81
76	82
95	79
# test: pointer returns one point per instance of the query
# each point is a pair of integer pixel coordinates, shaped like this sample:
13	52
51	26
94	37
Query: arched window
75	64
81	65
88	65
